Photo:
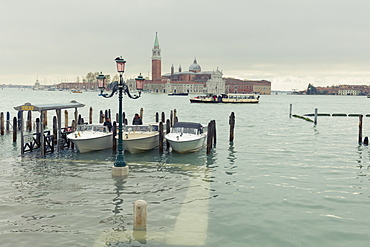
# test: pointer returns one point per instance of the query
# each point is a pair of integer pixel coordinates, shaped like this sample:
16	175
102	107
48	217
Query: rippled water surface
282	182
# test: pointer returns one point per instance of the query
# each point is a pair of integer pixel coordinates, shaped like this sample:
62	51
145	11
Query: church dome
194	67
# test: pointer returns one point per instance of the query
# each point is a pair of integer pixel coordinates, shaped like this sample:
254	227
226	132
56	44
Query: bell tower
156	60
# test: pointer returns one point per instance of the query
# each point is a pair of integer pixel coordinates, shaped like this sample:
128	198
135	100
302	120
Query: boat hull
186	143
227	98
140	142
89	142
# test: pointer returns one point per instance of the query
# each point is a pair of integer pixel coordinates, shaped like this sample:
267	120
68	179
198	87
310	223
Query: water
283	182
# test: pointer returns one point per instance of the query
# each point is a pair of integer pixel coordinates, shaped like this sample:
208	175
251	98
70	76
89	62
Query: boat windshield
185	130
95	128
139	128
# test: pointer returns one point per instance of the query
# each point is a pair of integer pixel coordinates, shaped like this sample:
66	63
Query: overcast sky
289	42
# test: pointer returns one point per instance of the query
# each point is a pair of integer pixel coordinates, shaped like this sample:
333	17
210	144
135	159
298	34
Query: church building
193	81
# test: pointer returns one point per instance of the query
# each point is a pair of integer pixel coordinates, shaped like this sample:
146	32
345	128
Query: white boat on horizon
227	98
140	138
186	137
88	138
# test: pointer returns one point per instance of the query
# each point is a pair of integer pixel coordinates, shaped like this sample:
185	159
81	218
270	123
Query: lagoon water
282	182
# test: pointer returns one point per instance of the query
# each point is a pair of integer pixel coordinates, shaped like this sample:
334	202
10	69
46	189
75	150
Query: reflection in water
118	201
231	156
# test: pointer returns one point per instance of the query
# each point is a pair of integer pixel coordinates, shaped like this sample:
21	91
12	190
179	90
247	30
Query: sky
289	42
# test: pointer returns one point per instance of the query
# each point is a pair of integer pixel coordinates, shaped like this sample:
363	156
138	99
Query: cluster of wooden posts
31	141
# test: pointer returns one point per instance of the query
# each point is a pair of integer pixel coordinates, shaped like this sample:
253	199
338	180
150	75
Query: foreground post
160	137
290	111
140	215
90	115
360	130
15	129
65	118
315	120
7	121
1	123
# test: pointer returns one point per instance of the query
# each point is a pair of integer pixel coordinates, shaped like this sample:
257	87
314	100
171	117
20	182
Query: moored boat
187	137
227	98
140	138
178	94
88	138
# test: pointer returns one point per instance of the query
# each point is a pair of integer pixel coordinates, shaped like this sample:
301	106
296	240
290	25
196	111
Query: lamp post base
119	171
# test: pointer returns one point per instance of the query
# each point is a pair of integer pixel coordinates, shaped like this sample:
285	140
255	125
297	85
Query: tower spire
156	60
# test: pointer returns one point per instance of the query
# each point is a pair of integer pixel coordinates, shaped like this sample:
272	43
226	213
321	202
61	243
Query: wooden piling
79	121
290	111
214	131
7	121
209	137
156	117
55	129
19	120
2	129
168	129
171	118
101	116
114	130
140	215
163	117
109	112
360	129
232	126
37	125
15	129
315	120
65	118
160	130
174	116
142	113
366	141
29	121
90	115
105	115
45	118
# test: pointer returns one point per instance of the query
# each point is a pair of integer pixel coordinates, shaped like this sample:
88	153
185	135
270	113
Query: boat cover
187	125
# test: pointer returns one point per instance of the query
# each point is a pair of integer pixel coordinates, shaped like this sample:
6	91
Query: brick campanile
156	60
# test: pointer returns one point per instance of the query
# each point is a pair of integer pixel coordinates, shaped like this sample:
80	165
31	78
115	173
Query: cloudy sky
289	42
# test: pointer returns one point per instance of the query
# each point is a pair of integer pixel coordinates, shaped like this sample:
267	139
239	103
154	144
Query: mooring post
45	122
90	115
315	120
214	131
100	116
19	119
142	113
66	118
55	129
163	117
156	117
360	129
59	129
15	129
174	116
171	118
29	121
7	121
140	215
2	130
114	130
168	129
209	138
290	111
160	130
109	112
42	137
79	121
232	125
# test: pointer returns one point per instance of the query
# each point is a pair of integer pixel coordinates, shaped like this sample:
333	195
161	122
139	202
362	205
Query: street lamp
121	87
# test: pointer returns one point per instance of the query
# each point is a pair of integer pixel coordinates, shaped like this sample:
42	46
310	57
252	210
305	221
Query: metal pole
120	160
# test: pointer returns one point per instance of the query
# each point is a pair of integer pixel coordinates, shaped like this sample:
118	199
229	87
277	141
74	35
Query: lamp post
122	88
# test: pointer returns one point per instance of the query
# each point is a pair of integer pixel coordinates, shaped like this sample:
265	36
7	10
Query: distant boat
227	98
178	94
76	91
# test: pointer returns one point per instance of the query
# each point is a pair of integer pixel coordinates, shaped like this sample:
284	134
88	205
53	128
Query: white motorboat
88	138
187	137
140	138
227	98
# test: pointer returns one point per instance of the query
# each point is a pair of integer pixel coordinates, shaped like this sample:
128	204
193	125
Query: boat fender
126	135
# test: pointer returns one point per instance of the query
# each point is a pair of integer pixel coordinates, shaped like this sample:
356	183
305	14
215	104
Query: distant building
197	81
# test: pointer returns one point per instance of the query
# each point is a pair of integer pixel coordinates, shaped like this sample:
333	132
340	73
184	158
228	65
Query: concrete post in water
232	125
7	121
290	111
90	115
156	117
15	129
315	120
160	130
360	129
140	215
142	113
65	118
2	129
